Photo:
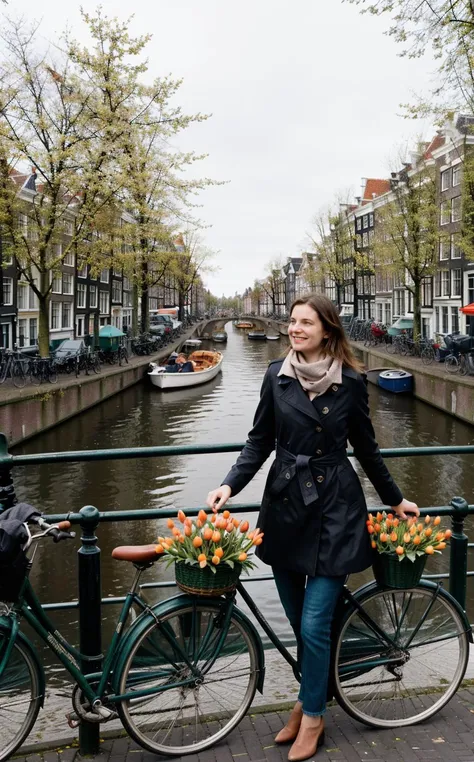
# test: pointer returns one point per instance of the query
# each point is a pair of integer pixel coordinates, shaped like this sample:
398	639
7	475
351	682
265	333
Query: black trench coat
313	509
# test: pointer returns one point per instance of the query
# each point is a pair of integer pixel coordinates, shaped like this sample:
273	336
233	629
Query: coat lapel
291	391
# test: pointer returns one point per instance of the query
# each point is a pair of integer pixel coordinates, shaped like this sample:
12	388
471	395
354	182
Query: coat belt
299	466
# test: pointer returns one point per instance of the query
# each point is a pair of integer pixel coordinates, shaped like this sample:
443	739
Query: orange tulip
188	522
213	518
258	540
416	540
406	537
181	538
202	516
428	532
219	552
396	522
207	534
197	542
376	528
371	518
161	539
216	536
181	516
176	531
388	524
447	534
251	534
427	519
437	521
390	516
394	537
202	564
159	548
202	557
230	527
370	529
199	523
244	526
242	557
188	530
440	546
236	522
379	516
226	514
374	544
419	527
429	550
399	550
383	537
439	536
216	560
170	523
413	530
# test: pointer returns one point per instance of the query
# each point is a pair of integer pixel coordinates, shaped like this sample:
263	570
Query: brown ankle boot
308	741
290	731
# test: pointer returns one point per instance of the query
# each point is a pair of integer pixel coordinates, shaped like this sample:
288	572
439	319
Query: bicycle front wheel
20	698
183	716
405	681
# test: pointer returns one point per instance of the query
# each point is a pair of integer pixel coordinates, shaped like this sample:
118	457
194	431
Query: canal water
219	411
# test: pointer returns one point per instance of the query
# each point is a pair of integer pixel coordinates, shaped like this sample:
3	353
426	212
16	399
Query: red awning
468	309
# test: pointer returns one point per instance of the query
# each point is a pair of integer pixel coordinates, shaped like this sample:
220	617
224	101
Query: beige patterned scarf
314	377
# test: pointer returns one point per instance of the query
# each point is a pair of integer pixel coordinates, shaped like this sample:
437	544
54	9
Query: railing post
7	490
90	637
458	555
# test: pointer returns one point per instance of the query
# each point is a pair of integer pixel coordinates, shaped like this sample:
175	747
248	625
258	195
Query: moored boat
396	380
273	337
192	343
374	373
257	335
207	366
219	336
243	324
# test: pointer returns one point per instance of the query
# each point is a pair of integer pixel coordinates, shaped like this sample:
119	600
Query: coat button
318	429
320	479
309	484
287	475
319	452
325	410
334	387
285	499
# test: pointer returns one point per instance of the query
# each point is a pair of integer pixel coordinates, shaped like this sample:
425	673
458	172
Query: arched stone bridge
259	324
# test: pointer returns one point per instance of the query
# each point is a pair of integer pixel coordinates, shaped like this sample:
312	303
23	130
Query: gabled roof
375	187
436	142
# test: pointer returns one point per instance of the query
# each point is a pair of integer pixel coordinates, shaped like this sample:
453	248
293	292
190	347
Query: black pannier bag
463	343
13	560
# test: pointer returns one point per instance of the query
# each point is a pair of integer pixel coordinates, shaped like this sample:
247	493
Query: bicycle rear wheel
20	698
187	718
385	685
451	364
18	375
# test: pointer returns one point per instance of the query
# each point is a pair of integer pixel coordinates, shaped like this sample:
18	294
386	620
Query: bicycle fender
363	592
5	629
168	607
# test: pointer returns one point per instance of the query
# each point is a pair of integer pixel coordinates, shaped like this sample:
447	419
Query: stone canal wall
452	394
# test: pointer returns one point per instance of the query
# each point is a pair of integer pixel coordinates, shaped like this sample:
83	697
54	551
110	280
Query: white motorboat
192	343
207	365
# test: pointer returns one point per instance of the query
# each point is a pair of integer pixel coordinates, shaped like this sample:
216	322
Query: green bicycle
184	672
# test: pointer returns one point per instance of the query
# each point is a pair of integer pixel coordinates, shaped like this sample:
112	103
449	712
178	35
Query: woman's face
306	330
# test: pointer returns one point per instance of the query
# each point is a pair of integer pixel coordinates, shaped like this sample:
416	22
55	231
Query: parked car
161	320
68	352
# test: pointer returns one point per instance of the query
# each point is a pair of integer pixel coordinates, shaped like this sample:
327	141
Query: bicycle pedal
73	720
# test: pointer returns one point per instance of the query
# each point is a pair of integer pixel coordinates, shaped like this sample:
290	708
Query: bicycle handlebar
57	531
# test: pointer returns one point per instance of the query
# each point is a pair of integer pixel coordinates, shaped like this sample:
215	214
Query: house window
456	209
127	299
81	295
116	291
445	178
359	223
105	275
437	323
445	319
55	315
456	175
117	271
455	247
127	286
371	220
68	286
22	332
445	213
67	226
470	289
93	296
33	331
437	283
23	223
32	299
153	303
427	292
380	313
444	282
444	248
66	315
456	282
366	221
365	239
7	291
22	296
425	327
57	284
454	319
104	302
82	270
69	259
388	314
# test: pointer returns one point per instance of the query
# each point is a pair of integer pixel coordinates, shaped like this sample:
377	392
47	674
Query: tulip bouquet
407	538
209	541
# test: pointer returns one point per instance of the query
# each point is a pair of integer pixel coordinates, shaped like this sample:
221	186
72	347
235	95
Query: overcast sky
304	96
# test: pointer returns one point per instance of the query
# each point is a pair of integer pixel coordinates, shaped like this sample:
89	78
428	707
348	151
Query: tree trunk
144	317
135	310
416	307
43	326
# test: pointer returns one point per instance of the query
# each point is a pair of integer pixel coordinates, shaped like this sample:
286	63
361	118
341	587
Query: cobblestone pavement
448	736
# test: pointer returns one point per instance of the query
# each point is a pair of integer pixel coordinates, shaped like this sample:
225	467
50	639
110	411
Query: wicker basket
192	579
389	571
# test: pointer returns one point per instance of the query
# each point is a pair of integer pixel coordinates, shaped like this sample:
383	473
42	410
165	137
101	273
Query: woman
313	510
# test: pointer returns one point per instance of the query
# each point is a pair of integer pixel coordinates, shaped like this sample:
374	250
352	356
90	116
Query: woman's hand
406	506
218	497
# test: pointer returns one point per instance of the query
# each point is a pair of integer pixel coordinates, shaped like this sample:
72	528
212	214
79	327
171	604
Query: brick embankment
448	736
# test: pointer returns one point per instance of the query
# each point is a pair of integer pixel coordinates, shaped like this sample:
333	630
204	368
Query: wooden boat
207	366
243	324
219	336
257	335
395	380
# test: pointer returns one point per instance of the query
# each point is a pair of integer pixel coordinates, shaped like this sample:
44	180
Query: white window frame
23	289
445	213
104	296
456	175
359	223
33	334
456	277
68	284
55	316
445	282
105	275
453	248
7	302
81	291
445	179
69	259
444	248
371	220
456	209
93	292
82	271
66	306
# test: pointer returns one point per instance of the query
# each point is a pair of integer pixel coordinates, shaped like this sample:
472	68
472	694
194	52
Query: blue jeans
309	604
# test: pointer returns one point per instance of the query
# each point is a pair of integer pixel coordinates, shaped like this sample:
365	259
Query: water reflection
219	411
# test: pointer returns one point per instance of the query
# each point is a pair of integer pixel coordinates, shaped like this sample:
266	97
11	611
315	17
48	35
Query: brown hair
336	345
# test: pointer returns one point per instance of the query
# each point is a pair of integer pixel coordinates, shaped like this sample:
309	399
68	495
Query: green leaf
230	563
